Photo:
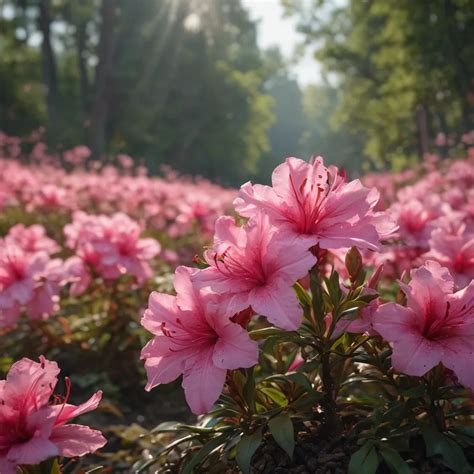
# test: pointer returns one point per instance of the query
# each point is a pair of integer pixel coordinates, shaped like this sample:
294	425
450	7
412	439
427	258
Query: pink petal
393	321
163	364
426	293
254	198
161	308
7	467
415	355
187	294
279	304
234	349
461	364
30	384
77	440
68	412
33	451
202	382
462	303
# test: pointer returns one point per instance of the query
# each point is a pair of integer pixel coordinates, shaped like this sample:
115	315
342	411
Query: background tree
179	82
404	69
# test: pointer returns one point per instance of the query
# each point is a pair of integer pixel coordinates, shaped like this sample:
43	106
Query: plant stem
330	426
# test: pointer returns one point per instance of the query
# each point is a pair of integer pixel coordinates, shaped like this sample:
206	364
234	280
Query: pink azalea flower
124	250
456	253
193	337
111	246
415	220
30	281
312	200
78	274
32	239
436	326
256	265
31	428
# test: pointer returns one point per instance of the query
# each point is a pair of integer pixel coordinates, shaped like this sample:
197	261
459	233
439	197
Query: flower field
320	324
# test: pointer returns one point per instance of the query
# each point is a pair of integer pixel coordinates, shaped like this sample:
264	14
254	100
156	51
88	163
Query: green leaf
94	469
50	466
307	401
303	296
201	455
246	449
452	454
466	430
281	428
309	366
365	460
394	461
295	377
263	333
276	395
414	392
249	389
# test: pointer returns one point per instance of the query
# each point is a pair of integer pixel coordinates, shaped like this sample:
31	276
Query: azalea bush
328	325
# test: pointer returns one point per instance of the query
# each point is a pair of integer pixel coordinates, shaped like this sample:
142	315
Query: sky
275	29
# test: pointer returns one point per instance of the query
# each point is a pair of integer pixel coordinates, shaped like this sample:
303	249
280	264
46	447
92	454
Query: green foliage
383	415
184	81
365	460
403	69
281	428
246	448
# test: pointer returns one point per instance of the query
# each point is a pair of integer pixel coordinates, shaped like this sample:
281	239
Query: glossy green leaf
452	454
294	377
365	460
263	333
276	395
246	449
303	296
394	461
201	455
282	430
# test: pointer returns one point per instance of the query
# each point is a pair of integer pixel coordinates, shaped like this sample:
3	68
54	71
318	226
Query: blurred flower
32	239
28	280
436	326
31	428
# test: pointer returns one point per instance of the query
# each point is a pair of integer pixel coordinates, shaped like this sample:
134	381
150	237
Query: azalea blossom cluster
109	246
38	182
252	269
289	263
435	217
437	325
30	279
104	246
34	425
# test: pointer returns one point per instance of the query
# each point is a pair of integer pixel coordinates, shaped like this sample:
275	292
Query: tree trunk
103	79
82	67
50	75
422	123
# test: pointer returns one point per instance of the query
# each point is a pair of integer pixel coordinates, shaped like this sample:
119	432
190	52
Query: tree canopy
404	69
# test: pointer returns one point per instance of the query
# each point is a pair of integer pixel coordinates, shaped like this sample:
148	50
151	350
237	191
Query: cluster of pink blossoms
435	217
108	246
436	326
173	204
33	425
30	279
104	246
252	268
